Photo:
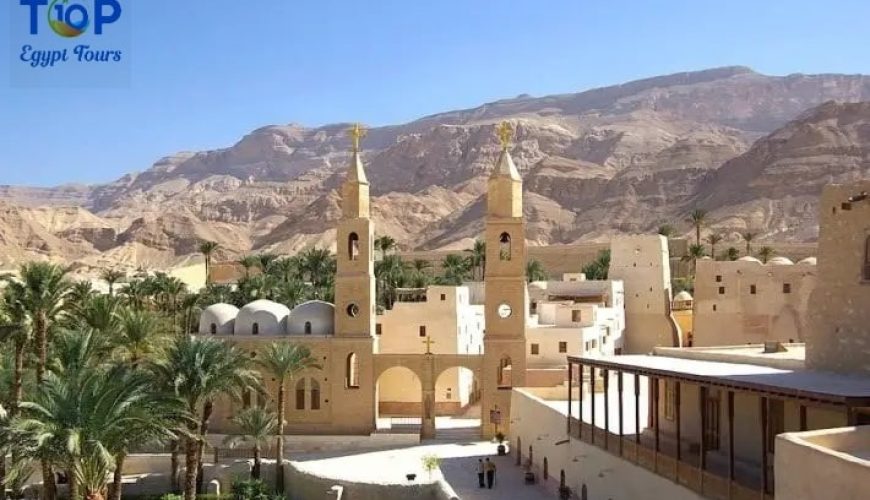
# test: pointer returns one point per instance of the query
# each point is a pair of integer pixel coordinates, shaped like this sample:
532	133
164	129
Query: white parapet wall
829	463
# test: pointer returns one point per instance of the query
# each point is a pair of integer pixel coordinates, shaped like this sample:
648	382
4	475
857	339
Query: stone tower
353	400
504	352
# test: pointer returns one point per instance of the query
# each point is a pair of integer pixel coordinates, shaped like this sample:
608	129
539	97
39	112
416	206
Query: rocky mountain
615	159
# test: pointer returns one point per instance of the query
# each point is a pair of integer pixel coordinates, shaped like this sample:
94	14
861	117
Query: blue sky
204	73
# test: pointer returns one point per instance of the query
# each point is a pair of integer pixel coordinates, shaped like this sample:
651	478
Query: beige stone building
682	309
747	302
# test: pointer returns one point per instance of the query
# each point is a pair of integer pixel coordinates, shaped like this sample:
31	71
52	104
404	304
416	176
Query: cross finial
429	343
357	132
505	133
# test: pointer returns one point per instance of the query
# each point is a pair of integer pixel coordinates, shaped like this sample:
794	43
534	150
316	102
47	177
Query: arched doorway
399	401
457	404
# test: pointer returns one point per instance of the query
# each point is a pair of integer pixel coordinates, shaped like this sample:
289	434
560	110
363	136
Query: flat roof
803	384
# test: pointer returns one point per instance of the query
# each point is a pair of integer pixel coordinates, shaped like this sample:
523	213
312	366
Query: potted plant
500	438
564	492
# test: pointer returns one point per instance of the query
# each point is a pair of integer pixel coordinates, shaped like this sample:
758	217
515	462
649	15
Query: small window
353	310
307	328
563	347
378	329
721	290
535	349
752	289
718	278
504	365
315	395
351	376
246	400
576	316
443	296
786	288
504	248
422	330
300	394
213	329
353	246
714	307
255	329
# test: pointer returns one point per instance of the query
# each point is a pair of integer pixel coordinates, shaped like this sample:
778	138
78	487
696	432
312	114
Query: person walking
490	473
480	472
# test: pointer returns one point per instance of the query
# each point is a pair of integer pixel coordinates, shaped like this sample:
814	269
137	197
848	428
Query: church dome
809	261
314	317
780	261
748	258
262	317
218	319
683	296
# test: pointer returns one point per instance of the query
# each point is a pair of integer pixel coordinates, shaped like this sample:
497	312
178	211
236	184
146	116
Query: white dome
809	261
748	258
262	317
683	296
780	261
314	317
218	319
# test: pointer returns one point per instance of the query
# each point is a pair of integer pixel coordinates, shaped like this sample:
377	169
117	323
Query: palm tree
80	292
140	336
199	370
15	328
713	240
207	248
696	251
421	265
455	269
765	253
384	244
698	218
285	269
667	230
391	273
255	426
136	294
732	253
535	271
248	262
285	361
317	266
291	293
86	424
599	268
99	313
748	236
112	276
264	260
477	259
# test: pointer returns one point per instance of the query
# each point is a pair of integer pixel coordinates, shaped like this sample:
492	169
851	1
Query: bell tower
354	345
504	352
355	275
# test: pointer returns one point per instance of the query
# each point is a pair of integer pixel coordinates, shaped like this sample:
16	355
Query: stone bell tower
353	397
504	352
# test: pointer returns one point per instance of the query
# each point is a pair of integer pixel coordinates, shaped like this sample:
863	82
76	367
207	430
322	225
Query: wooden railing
687	474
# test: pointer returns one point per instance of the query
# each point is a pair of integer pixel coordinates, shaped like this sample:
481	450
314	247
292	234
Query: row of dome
267	318
775	261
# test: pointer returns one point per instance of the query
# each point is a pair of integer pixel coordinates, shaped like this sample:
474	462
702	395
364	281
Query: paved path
461	473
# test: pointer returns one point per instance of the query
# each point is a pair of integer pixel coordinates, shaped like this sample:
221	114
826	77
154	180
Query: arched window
255	329
504	246
351	376
307	328
213	329
353	246
315	394
546	469
867	259
504	378
300	394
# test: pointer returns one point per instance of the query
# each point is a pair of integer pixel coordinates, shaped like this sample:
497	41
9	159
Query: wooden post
678	419
619	407
592	398
580	371
655	410
764	430
570	389
803	418
730	441
605	374
637	411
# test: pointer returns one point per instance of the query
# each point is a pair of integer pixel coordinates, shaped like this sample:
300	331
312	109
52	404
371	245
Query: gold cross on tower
505	133
429	343
357	132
